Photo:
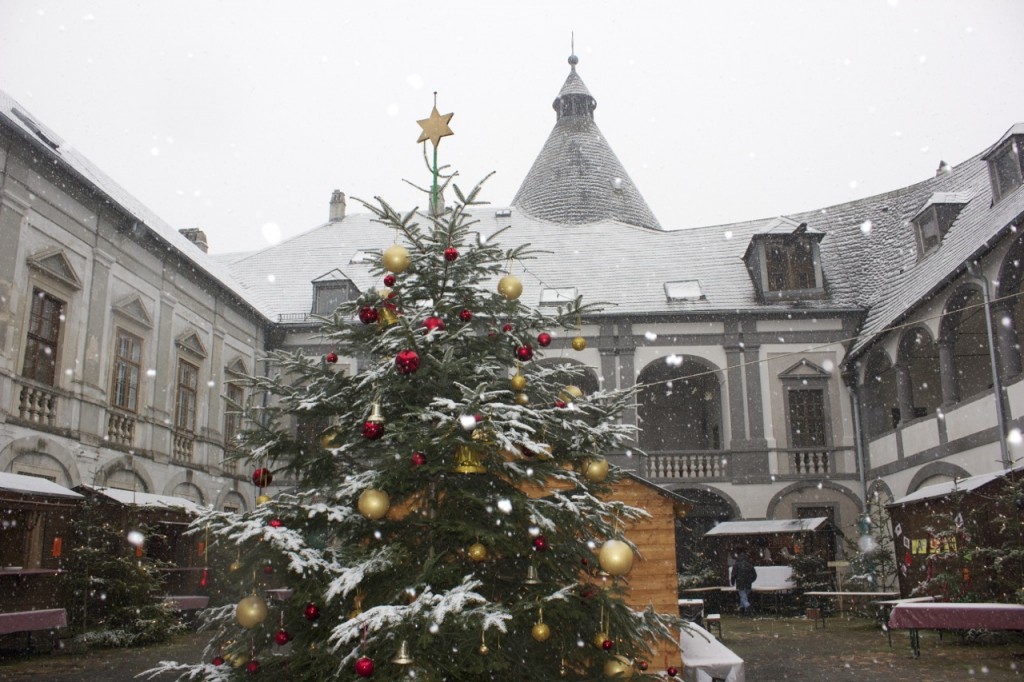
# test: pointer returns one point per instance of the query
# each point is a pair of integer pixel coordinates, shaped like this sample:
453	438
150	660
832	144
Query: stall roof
767	527
137	499
930	492
33	485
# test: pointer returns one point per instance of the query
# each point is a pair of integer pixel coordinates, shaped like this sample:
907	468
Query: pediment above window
190	343
804	369
133	308
53	263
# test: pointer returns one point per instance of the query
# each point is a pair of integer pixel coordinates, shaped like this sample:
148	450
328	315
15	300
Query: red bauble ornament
407	361
276	523
607	645
465	315
389	280
262	477
544	339
540	543
507	328
367	315
252	667
451	253
332	357
372	430
524	353
268	568
560	404
218	660
433	323
282	637
671	672
311	612
418	459
643	665
364	667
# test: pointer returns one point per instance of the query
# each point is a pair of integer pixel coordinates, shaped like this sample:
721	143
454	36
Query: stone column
165	385
12	214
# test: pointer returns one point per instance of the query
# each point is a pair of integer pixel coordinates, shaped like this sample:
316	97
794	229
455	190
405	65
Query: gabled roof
962	485
771	526
577	179
15	116
136	499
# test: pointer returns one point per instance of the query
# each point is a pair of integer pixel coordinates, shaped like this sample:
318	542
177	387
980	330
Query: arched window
682	408
124	479
701	511
919	355
879	407
1008	311
964	328
189	491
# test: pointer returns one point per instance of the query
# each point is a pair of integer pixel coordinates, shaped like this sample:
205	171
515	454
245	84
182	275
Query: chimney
337	206
197	237
943	169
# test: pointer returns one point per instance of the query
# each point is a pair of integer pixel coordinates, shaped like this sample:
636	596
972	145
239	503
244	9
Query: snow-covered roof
33	485
931	492
137	499
70	159
767	527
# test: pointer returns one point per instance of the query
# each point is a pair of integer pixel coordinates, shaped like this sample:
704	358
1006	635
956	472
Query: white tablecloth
704	657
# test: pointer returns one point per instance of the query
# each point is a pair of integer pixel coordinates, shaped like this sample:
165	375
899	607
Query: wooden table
940	616
839	596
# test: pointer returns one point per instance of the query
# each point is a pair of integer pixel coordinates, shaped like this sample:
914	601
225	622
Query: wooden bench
29	621
714	620
816	614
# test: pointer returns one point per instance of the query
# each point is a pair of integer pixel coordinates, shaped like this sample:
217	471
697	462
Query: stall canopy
963	485
35	489
768	527
132	498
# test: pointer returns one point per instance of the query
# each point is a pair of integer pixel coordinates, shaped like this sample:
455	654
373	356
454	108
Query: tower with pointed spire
577	179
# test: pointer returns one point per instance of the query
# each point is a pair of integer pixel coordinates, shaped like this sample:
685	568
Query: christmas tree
451	517
873	566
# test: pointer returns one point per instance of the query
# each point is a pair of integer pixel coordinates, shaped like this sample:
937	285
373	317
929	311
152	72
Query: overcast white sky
238	116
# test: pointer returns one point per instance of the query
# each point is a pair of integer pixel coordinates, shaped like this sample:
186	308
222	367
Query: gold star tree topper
435	127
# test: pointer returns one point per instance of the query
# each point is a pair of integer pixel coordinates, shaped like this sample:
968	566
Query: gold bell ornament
532	576
251	611
329	438
618	667
396	258
510	287
386	316
615	557
374	504
467	460
402	657
263	499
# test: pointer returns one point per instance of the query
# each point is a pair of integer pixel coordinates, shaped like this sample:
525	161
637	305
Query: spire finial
573	59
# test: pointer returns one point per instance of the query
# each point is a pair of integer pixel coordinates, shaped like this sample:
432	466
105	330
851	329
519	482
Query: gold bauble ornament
510	287
374	504
570	393
477	552
579	343
263	499
235	659
616	557
599	639
522	399
518	382
235	566
618	667
595	469
396	258
541	632
484	649
251	611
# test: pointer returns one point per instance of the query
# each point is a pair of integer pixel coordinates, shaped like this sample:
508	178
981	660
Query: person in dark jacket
743	576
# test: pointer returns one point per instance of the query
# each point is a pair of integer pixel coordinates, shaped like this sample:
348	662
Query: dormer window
331	290
936	217
1006	164
784	261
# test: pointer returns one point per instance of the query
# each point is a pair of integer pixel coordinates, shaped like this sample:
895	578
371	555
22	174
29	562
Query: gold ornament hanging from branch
595	469
510	287
251	611
467	460
616	557
374	504
396	258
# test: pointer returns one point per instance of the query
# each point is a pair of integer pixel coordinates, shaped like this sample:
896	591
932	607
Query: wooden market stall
34	519
771	543
166	518
932	526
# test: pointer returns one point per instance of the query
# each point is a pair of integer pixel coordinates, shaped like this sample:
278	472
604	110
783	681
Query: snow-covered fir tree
452	517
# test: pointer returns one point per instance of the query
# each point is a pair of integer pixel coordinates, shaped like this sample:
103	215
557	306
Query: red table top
957	616
23	621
